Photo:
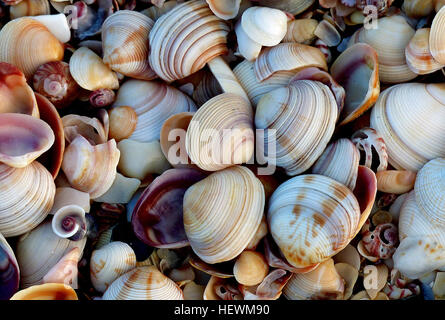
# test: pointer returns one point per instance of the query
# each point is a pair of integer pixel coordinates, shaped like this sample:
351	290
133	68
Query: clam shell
110	262
395	116
236	193
9	270
321	283
374	287
23	139
29	8
327	32
350	275
349	255
35	259
171	57
123	122
66	196
247	47
90	72
437	38
24	205
15	94
143	283
393	181
229	128
254	88
224	9
47	291
301	31
309	129
91	169
389	40
357	70
294	7
153	102
418	54
125	45
288	56
89	128
418	8
27	44
340	162
250	268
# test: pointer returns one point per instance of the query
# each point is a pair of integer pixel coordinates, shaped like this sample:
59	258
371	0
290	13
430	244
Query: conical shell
321	283
143	283
91	169
340	162
16	95
125	44
254	88
418	54
27	44
154	102
23	139
300	139
227	120
90	72
110	262
26	197
396	117
39	251
389	40
288	56
47	291
224	9
221	227
173	58
437	37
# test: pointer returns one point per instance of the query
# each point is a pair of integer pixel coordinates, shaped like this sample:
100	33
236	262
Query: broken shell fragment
301	31
121	191
65	271
418	54
369	142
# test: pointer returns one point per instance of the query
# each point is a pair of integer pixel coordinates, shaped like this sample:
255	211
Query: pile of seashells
222	149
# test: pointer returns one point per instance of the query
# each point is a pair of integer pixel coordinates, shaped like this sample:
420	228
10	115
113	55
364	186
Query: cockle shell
422	224
395	116
143	283
24	205
229	224
23	139
27	44
437	37
9	270
313	217
91	169
389	40
16	95
154	102
306	132
301	31
125	45
110	262
47	291
322	283
227	120
36	260
418	54
90	72
157	218
254	88
224	9
171	57
357	70
29	8
288	56
340	162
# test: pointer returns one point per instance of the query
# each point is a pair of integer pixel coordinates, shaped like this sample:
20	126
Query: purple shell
158	217
9	271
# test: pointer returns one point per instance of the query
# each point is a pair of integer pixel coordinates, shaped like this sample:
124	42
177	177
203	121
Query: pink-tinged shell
357	70
395	181
369	142
65	271
53	80
270	288
52	159
102	98
15	94
287	56
23	139
157	218
316	74
91	169
382	241
222	289
91	129
220	270
9	270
